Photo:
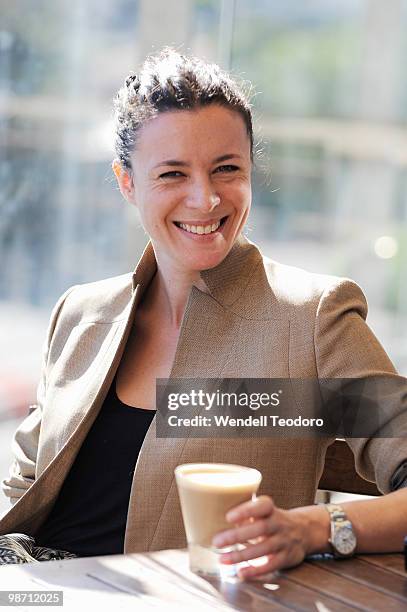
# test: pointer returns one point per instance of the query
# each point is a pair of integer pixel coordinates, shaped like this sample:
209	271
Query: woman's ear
125	180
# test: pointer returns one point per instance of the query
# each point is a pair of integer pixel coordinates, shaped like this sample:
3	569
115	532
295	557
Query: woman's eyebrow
226	157
171	162
177	163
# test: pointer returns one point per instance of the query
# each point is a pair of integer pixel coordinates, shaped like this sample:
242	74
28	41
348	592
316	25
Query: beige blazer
261	319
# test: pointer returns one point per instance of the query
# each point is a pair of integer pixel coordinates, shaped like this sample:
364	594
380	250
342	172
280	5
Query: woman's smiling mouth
201	229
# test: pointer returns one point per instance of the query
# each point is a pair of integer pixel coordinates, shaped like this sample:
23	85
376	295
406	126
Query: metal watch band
339	520
336	512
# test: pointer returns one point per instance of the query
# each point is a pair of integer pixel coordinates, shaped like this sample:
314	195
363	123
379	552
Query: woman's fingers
271	564
245	515
261	527
272	538
269	546
259	507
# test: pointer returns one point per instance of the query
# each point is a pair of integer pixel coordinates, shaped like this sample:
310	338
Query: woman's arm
24	447
285	537
345	349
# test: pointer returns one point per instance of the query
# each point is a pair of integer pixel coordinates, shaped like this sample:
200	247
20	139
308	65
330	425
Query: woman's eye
171	174
227	168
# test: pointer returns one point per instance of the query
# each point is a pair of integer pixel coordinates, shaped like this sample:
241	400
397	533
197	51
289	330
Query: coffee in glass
207	492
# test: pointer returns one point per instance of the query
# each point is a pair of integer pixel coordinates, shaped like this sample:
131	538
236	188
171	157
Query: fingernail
217	541
231	516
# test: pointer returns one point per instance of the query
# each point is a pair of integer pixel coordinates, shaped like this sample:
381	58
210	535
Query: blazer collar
145	269
225	282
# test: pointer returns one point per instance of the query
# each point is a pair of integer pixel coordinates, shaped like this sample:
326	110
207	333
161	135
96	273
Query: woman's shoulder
98	301
294	286
256	286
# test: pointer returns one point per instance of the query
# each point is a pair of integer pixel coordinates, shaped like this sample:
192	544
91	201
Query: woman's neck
168	294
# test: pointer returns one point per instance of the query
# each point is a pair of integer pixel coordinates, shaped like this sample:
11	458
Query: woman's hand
282	537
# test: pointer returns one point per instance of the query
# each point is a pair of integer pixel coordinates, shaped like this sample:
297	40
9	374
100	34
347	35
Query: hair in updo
171	81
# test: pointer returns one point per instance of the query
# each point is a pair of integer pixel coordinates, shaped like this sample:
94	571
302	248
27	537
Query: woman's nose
203	197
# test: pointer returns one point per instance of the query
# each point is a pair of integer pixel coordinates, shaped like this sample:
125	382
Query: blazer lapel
32	508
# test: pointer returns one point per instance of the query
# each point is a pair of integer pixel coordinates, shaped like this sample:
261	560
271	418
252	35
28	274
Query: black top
89	516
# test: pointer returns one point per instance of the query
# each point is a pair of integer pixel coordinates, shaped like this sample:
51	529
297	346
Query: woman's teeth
200	229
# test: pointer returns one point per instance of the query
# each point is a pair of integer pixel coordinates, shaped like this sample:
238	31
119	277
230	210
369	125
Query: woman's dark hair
171	81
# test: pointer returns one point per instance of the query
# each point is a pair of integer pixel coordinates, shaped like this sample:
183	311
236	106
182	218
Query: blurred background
330	190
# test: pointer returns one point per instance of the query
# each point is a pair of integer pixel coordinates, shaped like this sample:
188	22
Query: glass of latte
207	492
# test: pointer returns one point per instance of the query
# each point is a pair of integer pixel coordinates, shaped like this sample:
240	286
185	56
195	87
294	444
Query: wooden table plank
255	595
273	589
297	596
370	575
175	564
347	591
392	563
143	577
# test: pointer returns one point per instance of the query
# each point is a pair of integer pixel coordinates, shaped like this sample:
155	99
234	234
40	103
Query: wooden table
162	581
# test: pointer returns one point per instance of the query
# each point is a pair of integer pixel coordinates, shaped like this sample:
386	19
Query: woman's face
184	162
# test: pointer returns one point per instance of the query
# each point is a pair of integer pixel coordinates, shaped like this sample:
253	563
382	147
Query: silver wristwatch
343	538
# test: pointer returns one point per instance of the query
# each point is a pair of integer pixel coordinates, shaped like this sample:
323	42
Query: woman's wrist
316	528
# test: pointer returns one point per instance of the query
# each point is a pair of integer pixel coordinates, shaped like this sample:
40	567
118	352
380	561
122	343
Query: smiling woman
193	214
90	475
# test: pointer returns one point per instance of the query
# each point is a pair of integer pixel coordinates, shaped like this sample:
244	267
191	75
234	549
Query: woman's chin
205	262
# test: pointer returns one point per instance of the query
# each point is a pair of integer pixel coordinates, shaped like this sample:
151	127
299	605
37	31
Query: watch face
344	541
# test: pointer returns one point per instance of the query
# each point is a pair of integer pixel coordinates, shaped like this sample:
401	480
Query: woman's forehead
211	131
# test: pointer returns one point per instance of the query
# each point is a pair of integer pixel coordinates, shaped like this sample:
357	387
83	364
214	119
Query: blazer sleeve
346	347
25	441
